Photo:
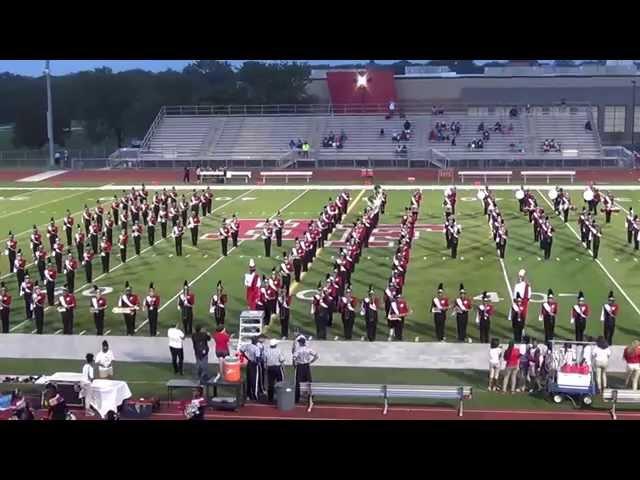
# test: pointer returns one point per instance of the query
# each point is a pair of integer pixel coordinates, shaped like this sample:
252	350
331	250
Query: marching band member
208	201
279	225
152	304
454	232
123	241
608	316
129	301
636	232
564	205
502	235
447	231
135	210
144	207
12	248
530	205
105	253
630	223
98	306
87	260
70	267
348	310
193	225
536	220
52	232
151	228
523	288
235	229
162	218
439	306
39	298
195	202
58	252
267	233
41	262
183	209
595	232
186	301
115	208
590	192
67	222
286	267
284	309
322	312
517	318
274	361
521	196
608	203
224	236
26	292
99	213
462	307
36	240
546	231
583	226
66	307
252	285
136	233
398	313
448	208
303	356
5	307
579	314
50	275
86	218
79	238
548	313
19	267
178	232
217	304
369	310
124	217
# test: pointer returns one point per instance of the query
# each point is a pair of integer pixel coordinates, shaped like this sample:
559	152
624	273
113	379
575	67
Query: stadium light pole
633	113
49	113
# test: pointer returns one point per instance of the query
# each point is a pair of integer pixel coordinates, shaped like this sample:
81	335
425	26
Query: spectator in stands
392	108
485	135
432	136
587	126
441	110
382	132
404	150
407	126
513	113
434	110
480	143
528	108
305	149
395	137
299	144
187	174
398	149
481	127
563	102
292	144
510	129
453	141
497	127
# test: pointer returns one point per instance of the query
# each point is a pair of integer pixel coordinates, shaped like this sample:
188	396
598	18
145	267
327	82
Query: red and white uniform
12	245
548	308
252	286
19	263
485	311
193	221
79	238
523	288
68	222
580	311
70	265
609	311
440	305
5	300
52	230
463	305
186	300
99	303
68	301
123	240
152	302
399	308
87	257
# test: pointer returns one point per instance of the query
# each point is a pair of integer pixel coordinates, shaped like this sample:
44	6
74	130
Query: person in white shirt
601	354
176	337
104	360
495	358
85	384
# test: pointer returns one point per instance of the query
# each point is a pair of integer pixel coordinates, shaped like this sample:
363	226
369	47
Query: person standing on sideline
152	304
221	339
252	352
186	301
223	233
495	359
631	355
200	341
178	232
88	374
601	354
512	359
439	307
267	233
548	313
187	174
303	356
608	316
462	308
274	361
176	338
579	314
98	306
104	361
5	307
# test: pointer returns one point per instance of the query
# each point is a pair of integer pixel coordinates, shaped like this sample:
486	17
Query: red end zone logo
381	237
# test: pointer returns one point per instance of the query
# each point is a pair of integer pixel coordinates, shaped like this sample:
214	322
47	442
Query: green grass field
571	268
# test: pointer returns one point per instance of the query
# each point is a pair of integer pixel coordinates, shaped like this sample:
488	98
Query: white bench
620	396
548	174
486	174
220	173
385	392
286	174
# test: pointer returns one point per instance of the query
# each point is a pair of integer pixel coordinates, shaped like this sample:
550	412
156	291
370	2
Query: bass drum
553	194
519	194
588	195
481	194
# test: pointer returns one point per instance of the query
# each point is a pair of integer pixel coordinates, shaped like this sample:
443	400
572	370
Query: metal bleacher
567	128
182	136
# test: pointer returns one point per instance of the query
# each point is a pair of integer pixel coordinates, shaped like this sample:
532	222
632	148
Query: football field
570	269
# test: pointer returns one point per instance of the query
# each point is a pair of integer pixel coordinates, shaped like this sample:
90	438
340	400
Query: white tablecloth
108	395
69	377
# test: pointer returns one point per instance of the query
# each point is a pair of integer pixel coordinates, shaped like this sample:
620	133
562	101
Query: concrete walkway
426	355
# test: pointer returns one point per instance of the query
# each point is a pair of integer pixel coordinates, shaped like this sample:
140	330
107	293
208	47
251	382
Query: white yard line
506	278
82	332
107	332
602	267
57	331
16	327
43	204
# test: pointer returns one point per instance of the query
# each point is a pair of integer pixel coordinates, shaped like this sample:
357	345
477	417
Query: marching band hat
370	289
611	297
462	290
252	263
549	293
95	287
580	295
151	285
65	287
522	272
440	287
518	297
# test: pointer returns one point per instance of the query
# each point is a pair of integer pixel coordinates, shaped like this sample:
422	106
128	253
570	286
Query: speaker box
228	404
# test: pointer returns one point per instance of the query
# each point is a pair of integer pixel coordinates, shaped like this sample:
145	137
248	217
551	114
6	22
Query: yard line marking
57	331
82	332
142	325
295	284
34	330
107	332
43	204
613	280
12	329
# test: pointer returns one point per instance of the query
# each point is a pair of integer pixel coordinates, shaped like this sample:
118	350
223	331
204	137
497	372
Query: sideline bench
620	396
548	174
484	174
286	174
178	384
386	392
220	174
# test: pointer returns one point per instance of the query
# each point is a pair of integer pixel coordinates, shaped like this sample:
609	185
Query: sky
62	67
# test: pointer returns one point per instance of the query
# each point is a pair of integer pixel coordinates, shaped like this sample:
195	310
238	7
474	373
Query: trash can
285	396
